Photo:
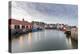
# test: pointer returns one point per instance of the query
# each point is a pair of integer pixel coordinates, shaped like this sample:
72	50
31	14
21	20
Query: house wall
20	23
12	26
20	26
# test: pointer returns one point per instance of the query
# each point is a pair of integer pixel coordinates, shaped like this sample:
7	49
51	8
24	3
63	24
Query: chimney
23	19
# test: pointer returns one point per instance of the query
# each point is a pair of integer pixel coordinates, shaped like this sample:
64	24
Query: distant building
50	26
38	25
60	26
46	26
54	26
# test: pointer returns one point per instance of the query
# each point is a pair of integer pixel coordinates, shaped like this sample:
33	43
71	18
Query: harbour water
42	41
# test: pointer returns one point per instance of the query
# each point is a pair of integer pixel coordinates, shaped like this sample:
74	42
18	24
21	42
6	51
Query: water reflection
74	44
21	41
30	39
68	42
71	43
43	40
35	36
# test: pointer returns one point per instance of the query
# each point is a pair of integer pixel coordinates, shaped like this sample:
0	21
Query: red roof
18	22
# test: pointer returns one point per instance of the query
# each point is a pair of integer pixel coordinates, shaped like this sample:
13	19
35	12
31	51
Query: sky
45	12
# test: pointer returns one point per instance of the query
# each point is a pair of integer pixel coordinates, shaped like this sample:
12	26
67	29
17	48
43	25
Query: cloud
46	12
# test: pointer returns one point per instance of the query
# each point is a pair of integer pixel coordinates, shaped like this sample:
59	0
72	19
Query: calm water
43	40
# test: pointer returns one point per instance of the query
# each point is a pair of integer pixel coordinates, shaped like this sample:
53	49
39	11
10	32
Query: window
23	27
17	27
26	26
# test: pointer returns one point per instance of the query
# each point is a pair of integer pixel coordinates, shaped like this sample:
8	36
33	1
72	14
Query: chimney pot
22	19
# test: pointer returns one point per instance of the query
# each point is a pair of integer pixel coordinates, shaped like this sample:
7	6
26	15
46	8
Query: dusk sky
45	12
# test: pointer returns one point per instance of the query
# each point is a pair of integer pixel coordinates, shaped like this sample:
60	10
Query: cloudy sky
45	12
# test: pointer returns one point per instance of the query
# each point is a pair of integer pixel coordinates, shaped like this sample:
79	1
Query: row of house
42	25
17	26
50	26
38	25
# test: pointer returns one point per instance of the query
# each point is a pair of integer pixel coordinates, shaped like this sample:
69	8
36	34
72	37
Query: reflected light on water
43	40
29	39
39	36
68	41
45	34
21	39
35	36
